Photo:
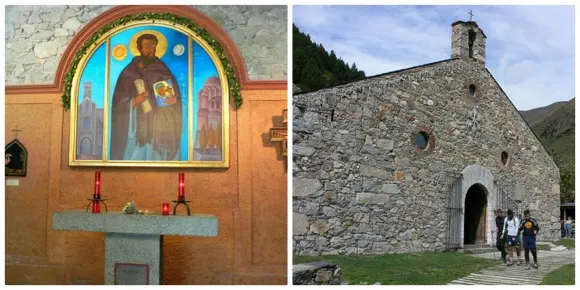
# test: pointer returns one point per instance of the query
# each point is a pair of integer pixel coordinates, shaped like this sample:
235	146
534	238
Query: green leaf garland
216	46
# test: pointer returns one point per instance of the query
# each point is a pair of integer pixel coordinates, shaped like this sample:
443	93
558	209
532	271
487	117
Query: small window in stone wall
472	90
504	158
422	140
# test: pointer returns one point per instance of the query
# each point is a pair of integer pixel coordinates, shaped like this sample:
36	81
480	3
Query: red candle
181	185
165	208
96	207
98	182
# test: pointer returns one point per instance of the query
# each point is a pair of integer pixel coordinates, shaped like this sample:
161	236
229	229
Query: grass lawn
434	268
568	243
561	276
543	247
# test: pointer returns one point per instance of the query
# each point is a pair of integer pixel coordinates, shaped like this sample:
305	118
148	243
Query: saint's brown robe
160	127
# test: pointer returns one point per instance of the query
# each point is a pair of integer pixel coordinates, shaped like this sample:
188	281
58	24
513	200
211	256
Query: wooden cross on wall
16	130
280	134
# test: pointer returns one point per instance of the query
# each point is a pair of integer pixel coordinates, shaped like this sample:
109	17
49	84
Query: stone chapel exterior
416	159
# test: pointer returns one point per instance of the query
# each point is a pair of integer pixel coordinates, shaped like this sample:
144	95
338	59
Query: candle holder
97	199
181	200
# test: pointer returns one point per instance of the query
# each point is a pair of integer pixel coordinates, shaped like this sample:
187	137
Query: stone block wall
37	36
316	273
362	186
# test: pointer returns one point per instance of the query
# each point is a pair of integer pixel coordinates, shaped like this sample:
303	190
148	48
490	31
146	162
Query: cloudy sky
530	49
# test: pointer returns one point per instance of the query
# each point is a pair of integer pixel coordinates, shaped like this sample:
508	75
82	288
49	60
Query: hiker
562	229
500	243
510	229
530	228
569	228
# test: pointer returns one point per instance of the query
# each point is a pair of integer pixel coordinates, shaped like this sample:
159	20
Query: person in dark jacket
530	228
500	243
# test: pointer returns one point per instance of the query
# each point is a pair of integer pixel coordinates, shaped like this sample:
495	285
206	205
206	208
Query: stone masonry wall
316	273
361	185
36	37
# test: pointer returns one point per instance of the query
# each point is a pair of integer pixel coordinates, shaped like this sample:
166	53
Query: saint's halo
161	43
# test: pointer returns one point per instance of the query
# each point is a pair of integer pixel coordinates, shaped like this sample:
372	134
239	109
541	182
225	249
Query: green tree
314	68
567	183
312	75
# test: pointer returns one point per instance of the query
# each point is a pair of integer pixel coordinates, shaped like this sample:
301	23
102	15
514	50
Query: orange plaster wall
249	198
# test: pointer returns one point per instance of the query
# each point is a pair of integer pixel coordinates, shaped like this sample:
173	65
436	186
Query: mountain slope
533	115
555	127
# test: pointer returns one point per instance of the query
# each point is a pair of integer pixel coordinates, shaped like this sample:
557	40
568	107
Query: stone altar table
134	242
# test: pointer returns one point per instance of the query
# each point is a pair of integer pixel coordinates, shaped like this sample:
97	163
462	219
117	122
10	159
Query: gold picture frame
205	146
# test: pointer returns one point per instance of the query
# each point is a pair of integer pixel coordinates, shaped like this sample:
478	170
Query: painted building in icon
208	138
89	127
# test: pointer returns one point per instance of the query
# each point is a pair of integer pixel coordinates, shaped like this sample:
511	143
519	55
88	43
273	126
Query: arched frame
481	176
180	159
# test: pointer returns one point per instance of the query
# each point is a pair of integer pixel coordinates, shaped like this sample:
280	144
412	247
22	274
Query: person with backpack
510	229
500	243
530	228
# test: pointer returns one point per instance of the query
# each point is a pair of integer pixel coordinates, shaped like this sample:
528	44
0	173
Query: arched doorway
86	146
475	215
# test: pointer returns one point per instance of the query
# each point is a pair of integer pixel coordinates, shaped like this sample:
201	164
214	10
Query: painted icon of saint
141	127
164	93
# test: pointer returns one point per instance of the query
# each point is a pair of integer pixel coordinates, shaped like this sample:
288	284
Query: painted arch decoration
150	90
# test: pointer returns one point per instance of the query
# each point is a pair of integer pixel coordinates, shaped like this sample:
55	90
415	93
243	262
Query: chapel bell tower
468	42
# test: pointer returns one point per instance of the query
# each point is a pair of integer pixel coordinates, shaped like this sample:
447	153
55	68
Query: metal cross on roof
470	15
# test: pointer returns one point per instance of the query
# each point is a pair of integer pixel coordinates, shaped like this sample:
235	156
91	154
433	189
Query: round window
472	90
422	140
504	158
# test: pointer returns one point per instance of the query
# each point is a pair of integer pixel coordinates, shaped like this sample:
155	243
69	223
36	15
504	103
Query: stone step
478	279
528	274
479	282
519	270
498	282
483	282
500	276
459	282
516	275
